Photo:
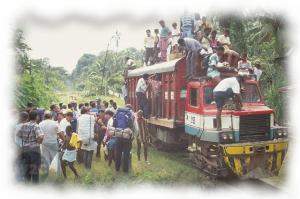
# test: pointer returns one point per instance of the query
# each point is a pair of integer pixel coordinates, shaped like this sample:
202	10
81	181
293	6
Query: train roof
156	68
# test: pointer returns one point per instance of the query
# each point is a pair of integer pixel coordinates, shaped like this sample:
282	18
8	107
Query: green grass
165	168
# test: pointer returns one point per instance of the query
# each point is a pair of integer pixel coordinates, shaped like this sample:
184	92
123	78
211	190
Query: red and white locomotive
249	143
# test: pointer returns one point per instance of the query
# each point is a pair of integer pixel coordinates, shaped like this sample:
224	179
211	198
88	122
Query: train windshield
249	95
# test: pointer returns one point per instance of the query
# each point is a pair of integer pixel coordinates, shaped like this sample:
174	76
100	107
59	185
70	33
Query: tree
37	81
105	73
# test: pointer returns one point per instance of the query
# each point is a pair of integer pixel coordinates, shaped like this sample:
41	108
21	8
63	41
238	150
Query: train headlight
227	137
281	132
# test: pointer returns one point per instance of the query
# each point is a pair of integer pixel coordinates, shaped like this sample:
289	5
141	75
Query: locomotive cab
249	143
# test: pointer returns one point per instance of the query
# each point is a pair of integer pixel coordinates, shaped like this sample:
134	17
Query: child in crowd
69	155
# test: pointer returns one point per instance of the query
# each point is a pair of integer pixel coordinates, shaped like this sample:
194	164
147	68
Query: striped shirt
29	133
187	21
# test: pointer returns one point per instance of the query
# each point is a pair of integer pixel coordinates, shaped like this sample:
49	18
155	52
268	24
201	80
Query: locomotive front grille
254	127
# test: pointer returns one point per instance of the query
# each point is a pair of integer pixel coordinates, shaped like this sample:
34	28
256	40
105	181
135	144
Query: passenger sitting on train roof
257	70
204	39
214	60
204	23
244	63
213	40
129	65
224	40
193	48
228	88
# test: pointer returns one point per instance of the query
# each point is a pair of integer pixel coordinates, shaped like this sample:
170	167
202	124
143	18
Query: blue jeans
191	60
87	159
187	33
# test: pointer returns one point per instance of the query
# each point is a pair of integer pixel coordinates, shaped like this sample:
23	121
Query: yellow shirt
74	141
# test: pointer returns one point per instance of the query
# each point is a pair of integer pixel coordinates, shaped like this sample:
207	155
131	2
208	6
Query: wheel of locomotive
208	158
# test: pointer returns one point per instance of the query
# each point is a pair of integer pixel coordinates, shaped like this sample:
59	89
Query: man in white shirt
85	129
175	37
65	122
149	47
141	89
227	88
50	129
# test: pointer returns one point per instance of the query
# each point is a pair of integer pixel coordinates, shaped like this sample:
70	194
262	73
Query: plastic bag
55	164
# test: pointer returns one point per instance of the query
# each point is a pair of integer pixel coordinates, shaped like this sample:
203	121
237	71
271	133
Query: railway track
246	184
239	184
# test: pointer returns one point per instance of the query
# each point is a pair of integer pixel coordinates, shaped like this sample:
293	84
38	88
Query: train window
194	97
208	95
250	94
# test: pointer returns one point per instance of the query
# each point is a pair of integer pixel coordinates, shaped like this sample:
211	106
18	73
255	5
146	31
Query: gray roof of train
157	68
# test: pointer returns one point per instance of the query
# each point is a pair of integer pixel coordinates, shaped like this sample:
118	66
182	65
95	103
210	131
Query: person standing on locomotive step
87	136
31	136
228	88
165	34
193	48
149	48
141	89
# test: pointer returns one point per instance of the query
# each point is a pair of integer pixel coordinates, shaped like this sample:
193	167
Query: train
250	144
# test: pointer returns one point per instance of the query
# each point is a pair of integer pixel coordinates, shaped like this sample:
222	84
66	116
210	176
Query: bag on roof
123	118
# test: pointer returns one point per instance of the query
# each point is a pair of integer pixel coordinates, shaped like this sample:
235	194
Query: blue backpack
123	118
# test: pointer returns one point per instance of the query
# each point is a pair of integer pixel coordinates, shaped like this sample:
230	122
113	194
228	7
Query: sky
65	40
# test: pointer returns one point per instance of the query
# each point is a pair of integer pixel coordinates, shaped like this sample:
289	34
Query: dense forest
262	36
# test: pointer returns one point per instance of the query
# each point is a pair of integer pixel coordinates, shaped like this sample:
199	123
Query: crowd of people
76	132
73	133
194	36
